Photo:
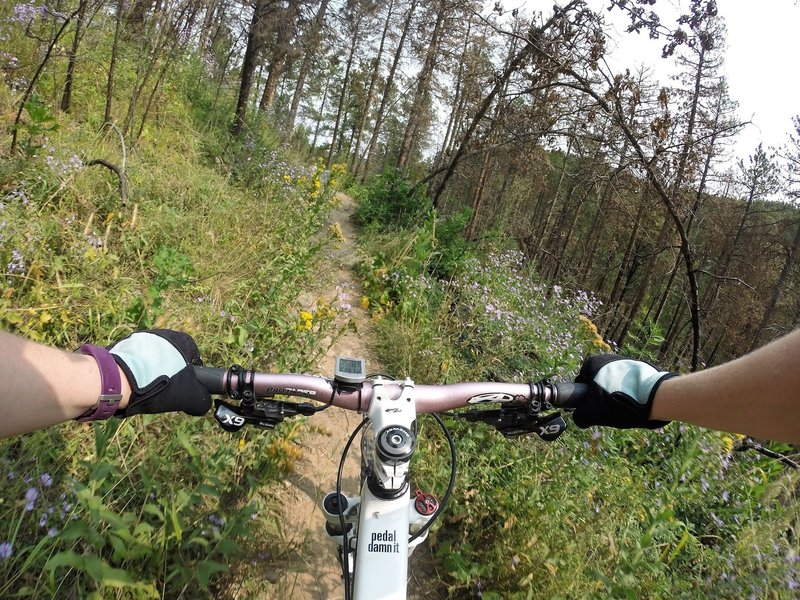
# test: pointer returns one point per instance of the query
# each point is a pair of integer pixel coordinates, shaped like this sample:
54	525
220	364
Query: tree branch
123	186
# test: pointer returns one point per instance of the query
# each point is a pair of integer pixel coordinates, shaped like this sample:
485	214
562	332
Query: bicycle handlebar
247	385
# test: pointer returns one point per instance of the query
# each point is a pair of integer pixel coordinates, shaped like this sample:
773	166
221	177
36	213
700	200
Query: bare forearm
758	394
42	386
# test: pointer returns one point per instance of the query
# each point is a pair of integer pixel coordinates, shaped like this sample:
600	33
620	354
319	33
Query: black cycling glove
158	364
621	392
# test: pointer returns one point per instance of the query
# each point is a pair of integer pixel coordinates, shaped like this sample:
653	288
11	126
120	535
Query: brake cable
345	540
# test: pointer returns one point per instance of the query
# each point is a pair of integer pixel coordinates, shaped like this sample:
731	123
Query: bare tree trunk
617	291
314	31
455	113
541	227
35	78
500	82
777	289
137	14
66	98
210	16
387	91
644	286
277	66
343	95
422	93
568	235
113	63
254	44
477	201
370	92
168	31
660	300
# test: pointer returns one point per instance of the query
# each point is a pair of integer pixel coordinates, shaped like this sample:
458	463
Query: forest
605	180
171	163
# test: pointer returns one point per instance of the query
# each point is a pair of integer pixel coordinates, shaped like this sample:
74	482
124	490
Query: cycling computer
350	370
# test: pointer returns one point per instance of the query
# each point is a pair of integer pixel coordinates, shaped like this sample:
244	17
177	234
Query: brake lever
263	413
516	421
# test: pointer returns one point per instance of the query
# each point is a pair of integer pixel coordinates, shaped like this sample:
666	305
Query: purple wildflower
94	241
6	550
46	480
30	498
24	13
216	520
17	264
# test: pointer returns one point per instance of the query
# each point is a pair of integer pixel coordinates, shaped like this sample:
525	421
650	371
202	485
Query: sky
762	63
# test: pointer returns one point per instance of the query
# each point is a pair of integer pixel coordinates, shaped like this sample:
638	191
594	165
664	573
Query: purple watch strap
110	385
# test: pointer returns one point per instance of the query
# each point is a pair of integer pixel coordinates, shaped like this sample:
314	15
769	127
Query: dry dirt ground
308	567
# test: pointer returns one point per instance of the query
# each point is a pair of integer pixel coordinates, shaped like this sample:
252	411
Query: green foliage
646	342
597	514
218	245
393	201
40	122
172	269
493	321
123	512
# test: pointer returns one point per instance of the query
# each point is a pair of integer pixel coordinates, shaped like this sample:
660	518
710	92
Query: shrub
600	513
153	505
393	201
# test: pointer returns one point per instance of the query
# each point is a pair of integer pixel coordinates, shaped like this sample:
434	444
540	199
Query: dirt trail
311	570
308	567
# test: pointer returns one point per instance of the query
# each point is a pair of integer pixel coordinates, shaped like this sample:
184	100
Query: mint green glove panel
149	357
621	392
159	365
631	377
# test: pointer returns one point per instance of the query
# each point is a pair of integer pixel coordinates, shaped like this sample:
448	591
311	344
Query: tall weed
676	512
155	506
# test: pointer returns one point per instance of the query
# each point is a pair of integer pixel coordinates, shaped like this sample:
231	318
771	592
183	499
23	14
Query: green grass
676	513
218	238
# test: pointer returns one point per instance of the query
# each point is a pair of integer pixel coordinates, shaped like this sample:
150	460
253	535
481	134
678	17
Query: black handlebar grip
211	378
570	395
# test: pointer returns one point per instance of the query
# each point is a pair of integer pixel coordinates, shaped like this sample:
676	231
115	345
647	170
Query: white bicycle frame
378	539
375	541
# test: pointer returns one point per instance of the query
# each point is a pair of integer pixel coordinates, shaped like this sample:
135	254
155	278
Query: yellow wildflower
306	320
336	231
727	441
599	343
364	302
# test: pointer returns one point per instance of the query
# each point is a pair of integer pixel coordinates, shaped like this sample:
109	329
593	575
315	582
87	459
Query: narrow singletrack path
308	567
311	570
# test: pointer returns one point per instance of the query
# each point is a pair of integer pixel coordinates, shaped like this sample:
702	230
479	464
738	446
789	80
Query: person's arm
757	394
42	386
